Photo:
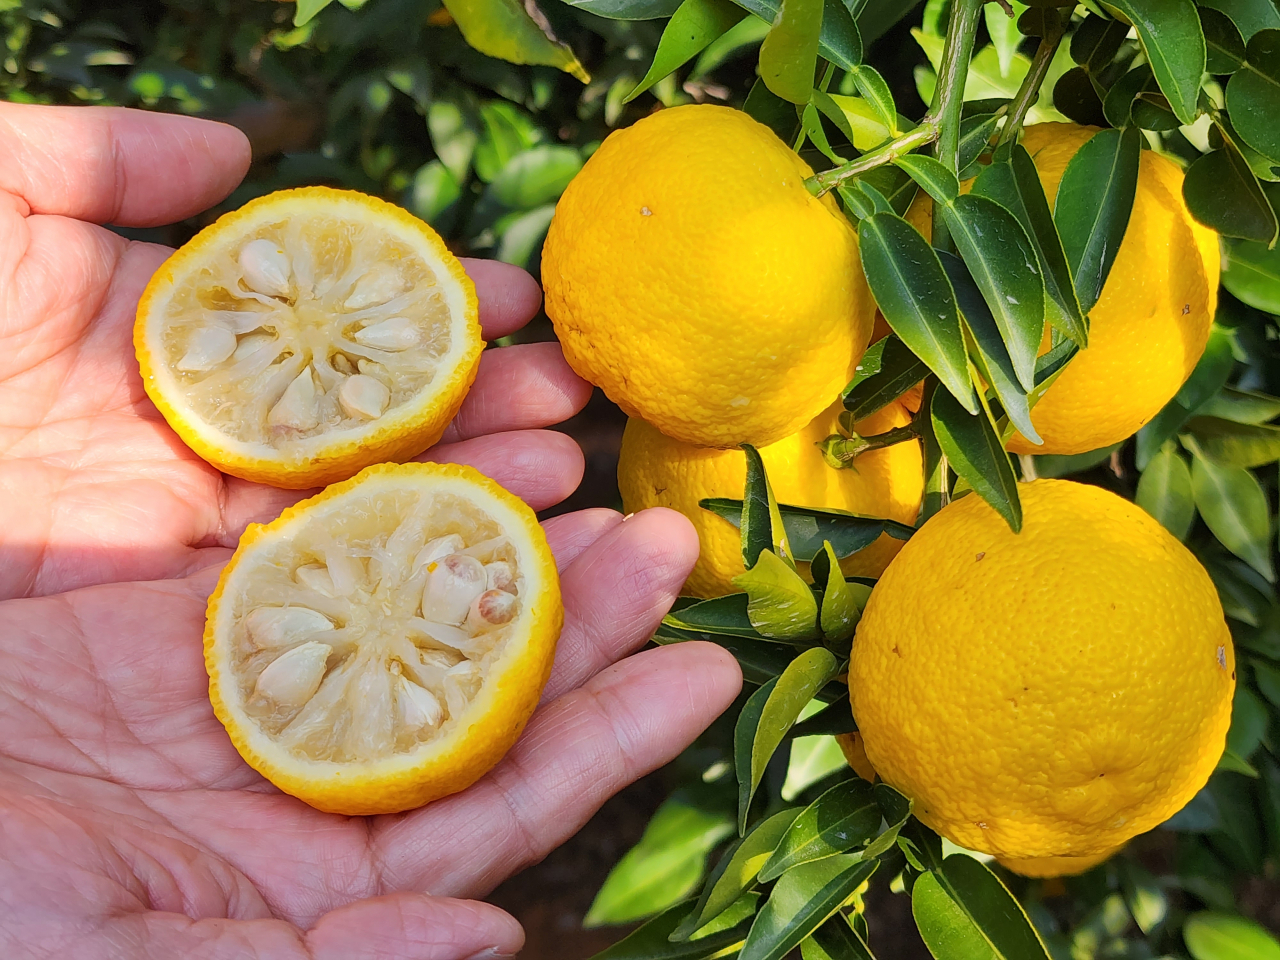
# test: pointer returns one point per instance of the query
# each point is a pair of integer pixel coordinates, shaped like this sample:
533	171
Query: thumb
413	926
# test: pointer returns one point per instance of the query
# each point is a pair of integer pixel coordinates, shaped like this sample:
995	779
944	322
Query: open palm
129	826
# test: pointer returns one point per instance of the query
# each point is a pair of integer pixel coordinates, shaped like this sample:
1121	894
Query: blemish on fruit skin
1222	656
979	556
646	212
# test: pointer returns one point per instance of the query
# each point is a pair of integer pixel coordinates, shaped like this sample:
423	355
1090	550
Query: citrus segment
309	334
383	643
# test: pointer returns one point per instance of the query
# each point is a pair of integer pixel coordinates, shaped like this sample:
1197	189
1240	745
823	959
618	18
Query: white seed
315	576
297	409
442	633
490	609
418	708
363	396
461	682
293	677
398	333
207	348
485	549
252	344
453	582
271	627
499	576
343	364
265	267
437	548
379	284
347	572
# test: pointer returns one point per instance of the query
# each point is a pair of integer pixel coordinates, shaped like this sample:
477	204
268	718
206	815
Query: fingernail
491	953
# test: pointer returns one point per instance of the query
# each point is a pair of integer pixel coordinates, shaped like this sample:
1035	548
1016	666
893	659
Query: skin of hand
129	825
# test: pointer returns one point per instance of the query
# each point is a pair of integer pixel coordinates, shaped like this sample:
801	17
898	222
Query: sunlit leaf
842	604
973	447
838	41
944	927
802	900
1219	936
1252	273
938	181
513	30
844	817
307	9
1253	95
1171	37
875	91
760	522
627	9
689	31
1241	406
652	941
780	604
1234	506
1222	192
1235	444
789	53
1164	491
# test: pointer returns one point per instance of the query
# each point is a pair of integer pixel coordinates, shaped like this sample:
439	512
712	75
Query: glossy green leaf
844	817
1241	406
507	30
760	522
1075	95
944	927
627	9
1147	902
749	32
789	53
838	41
1220	936
991	908
1002	28
1252	273
1235	444
736	872
1004	265
1118	105
1253	95
835	718
689	31
1015	185
861	200
769	714
973	447
939	182
875	91
842	604
780	604
1209	376
835	940
923	847
774	112
1249	721
894	184
975	134
1249	16
1096	41
1171	38
720	615
652	941
664	867
1222	192
856	117
811	124
1223	43
1164	491
1091	211
307	9
886	371
1234	506
808	527
913	293
761	660
802	900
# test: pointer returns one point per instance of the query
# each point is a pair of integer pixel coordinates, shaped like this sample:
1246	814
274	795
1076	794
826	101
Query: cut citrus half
383	643
307	335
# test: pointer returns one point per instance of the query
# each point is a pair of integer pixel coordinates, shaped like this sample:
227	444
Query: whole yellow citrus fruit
1047	694
690	274
383	643
656	471
308	334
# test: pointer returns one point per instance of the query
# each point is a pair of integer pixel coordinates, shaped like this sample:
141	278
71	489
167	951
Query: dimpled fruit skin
656	471
690	275
1150	325
1046	694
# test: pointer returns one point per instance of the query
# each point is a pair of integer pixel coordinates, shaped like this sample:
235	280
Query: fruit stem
1029	92
827	180
839	452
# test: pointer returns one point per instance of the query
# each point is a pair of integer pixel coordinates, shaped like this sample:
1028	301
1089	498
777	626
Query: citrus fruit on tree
691	275
656	471
383	643
308	334
1044	696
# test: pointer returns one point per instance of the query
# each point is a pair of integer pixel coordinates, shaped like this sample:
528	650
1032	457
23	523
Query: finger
617	591
519	388
541	467
410	926
114	165
575	754
571	533
509	297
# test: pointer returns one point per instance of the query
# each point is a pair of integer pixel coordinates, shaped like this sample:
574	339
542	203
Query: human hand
129	824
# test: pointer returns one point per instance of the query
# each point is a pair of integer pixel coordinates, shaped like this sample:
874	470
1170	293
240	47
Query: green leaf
769	713
789	53
1164	491
812	759
689	31
1234	506
1096	41
774	112
749	32
1224	44
975	134
1235	444
761	660
923	847
307	9
1171	38
801	901
886	371
508	30
972	445
835	940
535	177
844	817
780	604
835	718
1253	95
1095	198
1268	680
1241	406
1002	28
808	527
876	92
1249	720
912	291
1147	902
1222	192
1015	185
894	184
842	604
857	118
1249	16
720	615
838	41
627	9
1119	103
433	191
1210	374
991	908
454	135
651	941
938	181
1220	936
521	234
736	872
1004	265
1252	273
760	522
944	927
1075	95
664	867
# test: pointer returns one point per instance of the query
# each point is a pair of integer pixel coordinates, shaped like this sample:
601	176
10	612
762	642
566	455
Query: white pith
386	696
339	319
